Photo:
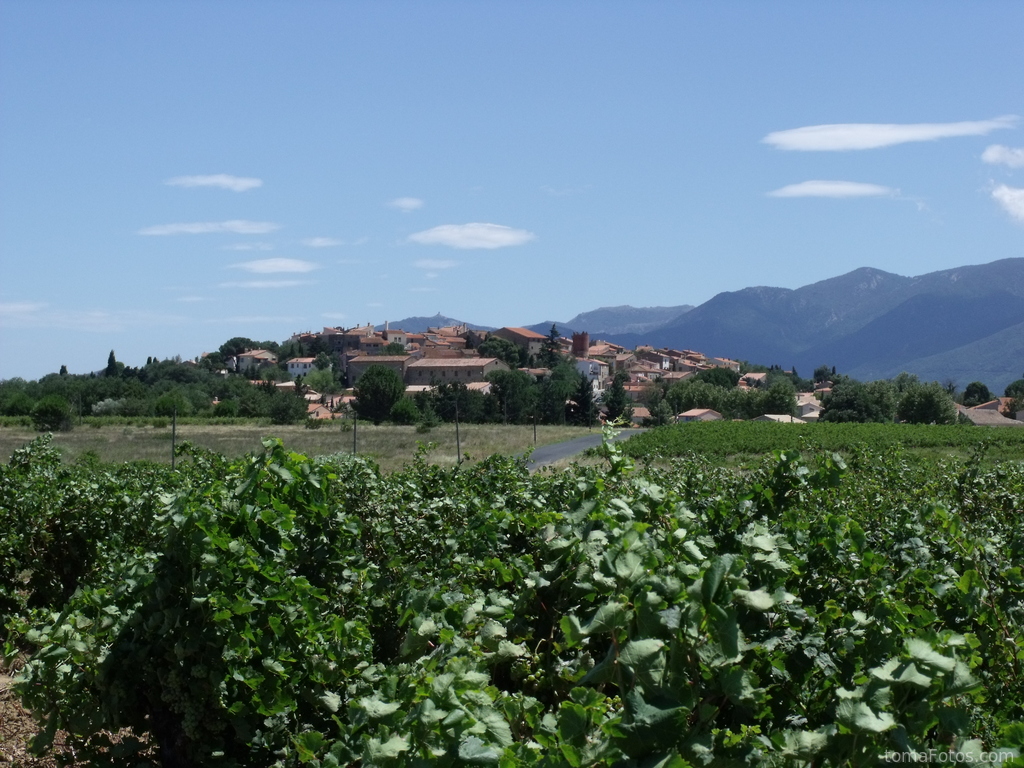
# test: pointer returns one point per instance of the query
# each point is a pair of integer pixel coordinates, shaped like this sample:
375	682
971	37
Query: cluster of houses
450	354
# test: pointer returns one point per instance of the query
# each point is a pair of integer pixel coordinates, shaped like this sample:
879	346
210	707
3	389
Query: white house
596	372
300	366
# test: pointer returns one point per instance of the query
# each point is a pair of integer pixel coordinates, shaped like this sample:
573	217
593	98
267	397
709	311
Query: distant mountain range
421	324
962	324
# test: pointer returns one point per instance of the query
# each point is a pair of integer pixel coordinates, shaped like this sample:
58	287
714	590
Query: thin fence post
458	441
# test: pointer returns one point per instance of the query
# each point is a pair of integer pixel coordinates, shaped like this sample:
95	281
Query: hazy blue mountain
609	321
544	328
625	319
961	324
868	323
995	360
420	324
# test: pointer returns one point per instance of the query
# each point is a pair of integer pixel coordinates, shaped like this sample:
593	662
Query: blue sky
174	174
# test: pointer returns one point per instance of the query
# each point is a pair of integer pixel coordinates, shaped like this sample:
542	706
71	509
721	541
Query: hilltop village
458	354
647	385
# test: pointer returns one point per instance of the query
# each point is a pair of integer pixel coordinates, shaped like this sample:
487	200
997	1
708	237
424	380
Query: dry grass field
390	446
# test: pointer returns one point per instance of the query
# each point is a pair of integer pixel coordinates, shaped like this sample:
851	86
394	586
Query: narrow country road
549	454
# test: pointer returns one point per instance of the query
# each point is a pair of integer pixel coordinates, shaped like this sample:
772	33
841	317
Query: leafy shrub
52	414
404	412
108	407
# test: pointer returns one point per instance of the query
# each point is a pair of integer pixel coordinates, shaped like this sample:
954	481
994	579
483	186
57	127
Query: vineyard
722	439
279	610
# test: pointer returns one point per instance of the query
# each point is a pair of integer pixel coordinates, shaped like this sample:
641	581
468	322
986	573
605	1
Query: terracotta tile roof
525	332
984	417
363	359
452	362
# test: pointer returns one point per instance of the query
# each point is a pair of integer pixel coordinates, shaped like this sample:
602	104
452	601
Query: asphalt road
548	454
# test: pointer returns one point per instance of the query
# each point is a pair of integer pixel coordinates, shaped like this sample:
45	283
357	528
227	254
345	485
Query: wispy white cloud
191	299
20	308
817	188
270	266
221	180
475	235
422	289
235	227
29	314
321	242
435	263
361	241
248	247
253	319
266	284
1011	199
846	136
1000	155
406	204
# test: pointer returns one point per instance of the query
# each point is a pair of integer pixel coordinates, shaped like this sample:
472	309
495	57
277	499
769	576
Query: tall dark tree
720	377
111	369
582	410
515	394
976	393
503	349
552	393
616	401
849	401
927	404
377	391
236	346
550	354
1014	389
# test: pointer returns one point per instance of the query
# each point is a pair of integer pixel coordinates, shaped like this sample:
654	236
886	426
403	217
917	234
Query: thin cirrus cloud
474	235
834	189
1000	155
219	180
234	227
1011	199
851	136
20	308
406	204
273	266
435	263
248	247
265	284
321	242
